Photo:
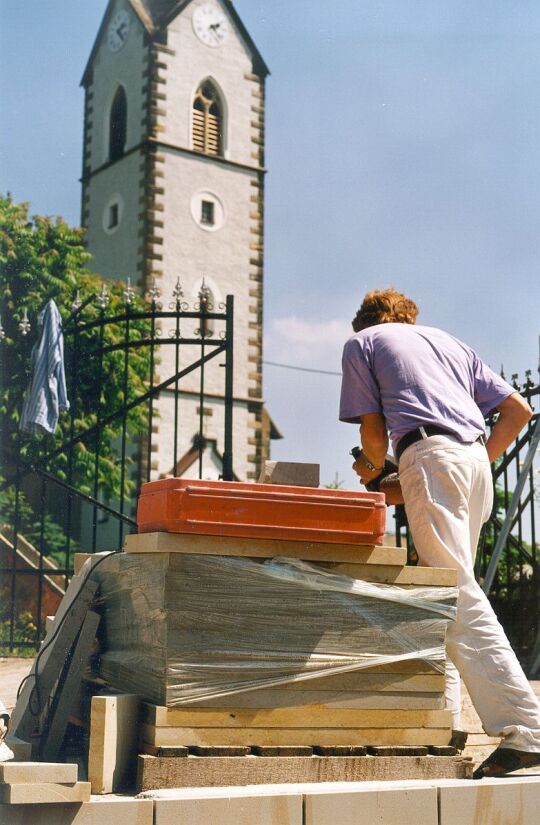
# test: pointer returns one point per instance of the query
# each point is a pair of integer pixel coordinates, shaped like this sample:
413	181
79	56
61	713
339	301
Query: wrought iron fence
76	490
507	561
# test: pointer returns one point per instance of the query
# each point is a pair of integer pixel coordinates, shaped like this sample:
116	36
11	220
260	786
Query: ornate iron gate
76	490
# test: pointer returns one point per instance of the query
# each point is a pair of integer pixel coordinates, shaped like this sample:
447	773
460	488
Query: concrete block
42	792
392	806
113	741
27	772
227	810
512	801
290	472
104	811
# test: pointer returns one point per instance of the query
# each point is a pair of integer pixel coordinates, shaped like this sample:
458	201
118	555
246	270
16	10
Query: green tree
43	258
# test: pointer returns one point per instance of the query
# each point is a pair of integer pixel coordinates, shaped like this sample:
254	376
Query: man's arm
514	412
374	441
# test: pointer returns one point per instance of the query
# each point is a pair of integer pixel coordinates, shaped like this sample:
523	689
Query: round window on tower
207	211
112	214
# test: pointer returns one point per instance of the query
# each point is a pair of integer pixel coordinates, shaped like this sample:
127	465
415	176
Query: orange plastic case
273	511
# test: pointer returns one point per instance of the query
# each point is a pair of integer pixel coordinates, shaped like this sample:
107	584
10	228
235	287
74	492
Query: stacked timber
257	641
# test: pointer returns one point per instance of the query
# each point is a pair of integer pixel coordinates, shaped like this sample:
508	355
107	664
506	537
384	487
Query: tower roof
156	15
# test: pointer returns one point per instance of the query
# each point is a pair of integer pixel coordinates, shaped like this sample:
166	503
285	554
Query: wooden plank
57	720
312	716
39	793
22	773
262	548
51	658
295	736
328	699
113	741
390	574
156	773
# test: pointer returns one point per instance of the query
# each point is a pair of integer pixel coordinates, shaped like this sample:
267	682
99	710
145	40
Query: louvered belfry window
118	125
207	120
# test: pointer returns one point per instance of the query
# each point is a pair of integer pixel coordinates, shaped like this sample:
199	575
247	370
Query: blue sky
403	148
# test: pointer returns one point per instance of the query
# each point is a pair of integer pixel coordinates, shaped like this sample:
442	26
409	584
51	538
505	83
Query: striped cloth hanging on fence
46	394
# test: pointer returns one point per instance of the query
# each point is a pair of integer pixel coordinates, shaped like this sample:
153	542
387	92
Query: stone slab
294	736
113	741
28	772
508	801
252	810
312	716
160	542
170	772
44	792
80	558
385	806
100	811
390	574
290	472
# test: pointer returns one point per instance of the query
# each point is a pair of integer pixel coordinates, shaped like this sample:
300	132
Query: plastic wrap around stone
184	628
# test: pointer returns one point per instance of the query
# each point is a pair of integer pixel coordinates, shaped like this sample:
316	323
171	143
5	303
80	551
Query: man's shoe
506	760
459	739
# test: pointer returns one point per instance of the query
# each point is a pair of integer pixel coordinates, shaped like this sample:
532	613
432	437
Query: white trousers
448	493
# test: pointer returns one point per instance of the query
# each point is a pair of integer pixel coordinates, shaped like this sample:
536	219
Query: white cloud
307	343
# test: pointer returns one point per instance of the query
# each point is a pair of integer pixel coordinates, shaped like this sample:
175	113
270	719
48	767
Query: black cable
301	369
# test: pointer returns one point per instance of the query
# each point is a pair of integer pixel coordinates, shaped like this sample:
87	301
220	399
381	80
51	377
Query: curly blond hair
385	306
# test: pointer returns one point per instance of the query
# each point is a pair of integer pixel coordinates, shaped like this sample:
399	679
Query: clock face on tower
210	25
118	31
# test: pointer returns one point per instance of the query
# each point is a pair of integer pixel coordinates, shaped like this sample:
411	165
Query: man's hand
374	440
362	469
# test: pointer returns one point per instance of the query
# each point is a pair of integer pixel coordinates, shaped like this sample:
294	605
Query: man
431	393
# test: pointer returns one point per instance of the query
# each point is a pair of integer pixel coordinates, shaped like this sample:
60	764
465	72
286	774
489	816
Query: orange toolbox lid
274	511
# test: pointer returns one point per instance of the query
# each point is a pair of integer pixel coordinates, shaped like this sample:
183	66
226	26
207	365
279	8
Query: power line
301	369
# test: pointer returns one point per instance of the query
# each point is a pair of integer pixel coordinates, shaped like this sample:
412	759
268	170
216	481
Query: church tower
173	188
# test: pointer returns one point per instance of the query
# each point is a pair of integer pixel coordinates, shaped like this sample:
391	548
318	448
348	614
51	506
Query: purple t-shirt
417	375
